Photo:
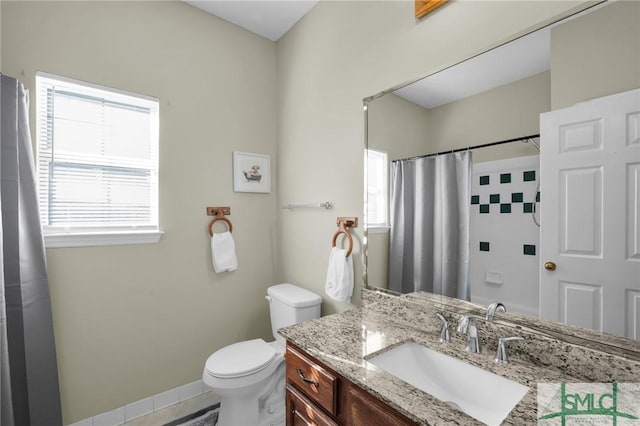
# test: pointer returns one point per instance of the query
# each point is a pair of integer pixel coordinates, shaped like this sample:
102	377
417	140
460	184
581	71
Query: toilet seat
240	359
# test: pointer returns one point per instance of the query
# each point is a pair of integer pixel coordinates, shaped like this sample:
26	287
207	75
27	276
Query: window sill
92	239
378	229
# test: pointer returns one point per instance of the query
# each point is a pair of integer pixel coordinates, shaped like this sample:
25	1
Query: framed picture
251	172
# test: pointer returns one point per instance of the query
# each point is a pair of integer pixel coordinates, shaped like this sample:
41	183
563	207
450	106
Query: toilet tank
290	304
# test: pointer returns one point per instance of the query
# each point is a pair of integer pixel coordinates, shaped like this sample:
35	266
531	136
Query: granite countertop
346	340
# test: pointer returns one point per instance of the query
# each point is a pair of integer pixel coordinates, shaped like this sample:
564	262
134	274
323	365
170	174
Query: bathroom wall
509	111
338	54
135	321
398	127
584	64
504	239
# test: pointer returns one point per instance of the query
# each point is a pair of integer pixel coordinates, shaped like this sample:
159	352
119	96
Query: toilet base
235	412
277	418
264	406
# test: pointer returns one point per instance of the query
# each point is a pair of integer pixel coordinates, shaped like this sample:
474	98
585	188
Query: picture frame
251	172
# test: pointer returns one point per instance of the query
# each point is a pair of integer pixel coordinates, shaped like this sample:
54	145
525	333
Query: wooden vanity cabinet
301	411
317	395
365	409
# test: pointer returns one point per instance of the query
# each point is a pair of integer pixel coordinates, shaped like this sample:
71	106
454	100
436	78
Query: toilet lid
240	359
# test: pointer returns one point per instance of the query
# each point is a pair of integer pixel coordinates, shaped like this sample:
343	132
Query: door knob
549	266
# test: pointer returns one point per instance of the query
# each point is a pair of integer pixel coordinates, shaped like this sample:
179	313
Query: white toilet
249	376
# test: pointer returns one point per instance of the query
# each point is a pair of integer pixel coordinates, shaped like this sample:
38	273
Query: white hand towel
339	275
223	252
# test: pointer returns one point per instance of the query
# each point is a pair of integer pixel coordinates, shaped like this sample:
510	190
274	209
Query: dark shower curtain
29	390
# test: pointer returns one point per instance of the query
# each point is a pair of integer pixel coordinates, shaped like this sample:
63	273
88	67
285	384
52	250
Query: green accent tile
529	249
475	199
538	197
484	180
529	175
494	198
516	197
484	246
505	178
505	208
527	208
484	208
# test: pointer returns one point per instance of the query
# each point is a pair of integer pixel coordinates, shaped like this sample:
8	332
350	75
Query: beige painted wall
506	112
337	55
398	127
404	129
133	321
596	55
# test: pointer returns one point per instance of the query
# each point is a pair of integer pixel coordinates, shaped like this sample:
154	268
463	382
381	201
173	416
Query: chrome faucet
501	354
444	333
493	308
467	325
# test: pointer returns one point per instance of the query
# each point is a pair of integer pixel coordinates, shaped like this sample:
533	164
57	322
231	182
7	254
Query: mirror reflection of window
377	189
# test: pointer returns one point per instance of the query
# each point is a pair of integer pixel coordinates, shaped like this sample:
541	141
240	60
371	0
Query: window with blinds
97	158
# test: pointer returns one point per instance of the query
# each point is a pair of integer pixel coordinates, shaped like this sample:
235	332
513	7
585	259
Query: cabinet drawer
318	384
301	412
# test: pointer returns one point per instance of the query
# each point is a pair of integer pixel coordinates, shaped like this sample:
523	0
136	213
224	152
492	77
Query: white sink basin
480	394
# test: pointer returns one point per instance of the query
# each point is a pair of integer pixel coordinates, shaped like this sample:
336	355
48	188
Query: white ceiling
268	18
521	58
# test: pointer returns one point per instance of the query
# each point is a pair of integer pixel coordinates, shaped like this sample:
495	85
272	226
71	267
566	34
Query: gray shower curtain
29	390
429	241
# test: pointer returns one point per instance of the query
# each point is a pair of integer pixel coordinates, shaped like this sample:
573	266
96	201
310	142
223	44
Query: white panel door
590	214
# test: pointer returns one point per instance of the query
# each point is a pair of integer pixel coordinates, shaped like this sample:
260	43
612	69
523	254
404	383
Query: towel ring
219	216
343	230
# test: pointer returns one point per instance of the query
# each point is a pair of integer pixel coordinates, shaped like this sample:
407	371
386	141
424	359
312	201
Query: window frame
378	227
57	236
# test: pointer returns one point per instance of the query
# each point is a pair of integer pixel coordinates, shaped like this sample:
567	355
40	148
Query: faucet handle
467	325
501	354
465	322
444	333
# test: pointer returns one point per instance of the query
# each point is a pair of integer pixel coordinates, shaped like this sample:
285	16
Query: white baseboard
145	406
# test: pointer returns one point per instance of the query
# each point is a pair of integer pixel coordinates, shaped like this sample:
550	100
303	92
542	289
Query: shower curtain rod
485	145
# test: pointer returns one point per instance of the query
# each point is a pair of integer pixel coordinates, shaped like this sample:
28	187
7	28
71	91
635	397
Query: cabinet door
302	412
366	410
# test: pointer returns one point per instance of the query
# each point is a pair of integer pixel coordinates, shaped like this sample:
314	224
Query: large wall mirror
495	99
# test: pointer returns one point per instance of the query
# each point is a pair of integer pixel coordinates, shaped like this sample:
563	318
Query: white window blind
97	158
377	188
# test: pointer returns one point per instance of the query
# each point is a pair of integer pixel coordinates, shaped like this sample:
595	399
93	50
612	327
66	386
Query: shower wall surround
504	238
